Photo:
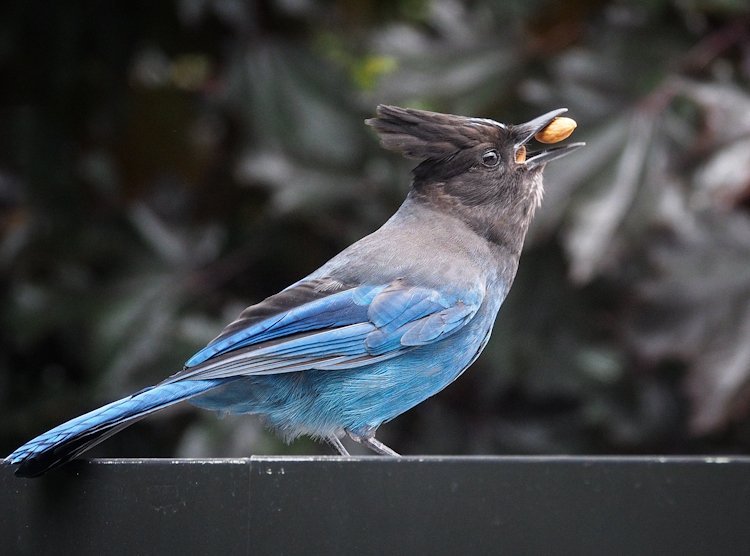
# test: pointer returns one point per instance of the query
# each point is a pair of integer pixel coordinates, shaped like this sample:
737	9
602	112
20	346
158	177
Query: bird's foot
336	444
373	443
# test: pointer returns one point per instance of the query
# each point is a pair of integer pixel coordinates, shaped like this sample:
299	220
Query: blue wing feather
338	309
341	327
438	325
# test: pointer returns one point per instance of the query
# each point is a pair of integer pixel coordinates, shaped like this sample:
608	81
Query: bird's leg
336	444
369	440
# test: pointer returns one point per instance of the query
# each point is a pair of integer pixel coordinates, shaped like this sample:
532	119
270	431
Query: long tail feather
66	441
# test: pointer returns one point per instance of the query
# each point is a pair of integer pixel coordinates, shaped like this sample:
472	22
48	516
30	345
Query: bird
387	323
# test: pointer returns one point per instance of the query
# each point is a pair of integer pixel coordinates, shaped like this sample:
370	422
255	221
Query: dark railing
574	506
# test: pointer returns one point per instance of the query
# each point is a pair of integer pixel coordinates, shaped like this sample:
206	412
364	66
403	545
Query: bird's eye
490	158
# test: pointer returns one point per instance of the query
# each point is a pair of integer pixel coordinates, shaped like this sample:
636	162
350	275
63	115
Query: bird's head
478	167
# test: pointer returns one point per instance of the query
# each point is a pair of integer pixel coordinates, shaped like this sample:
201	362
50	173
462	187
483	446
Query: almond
557	130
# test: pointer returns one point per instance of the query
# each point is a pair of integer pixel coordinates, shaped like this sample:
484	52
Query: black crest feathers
423	135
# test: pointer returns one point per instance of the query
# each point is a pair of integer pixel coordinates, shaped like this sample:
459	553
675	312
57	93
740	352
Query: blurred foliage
165	164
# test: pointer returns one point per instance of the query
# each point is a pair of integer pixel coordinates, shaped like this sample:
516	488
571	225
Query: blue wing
324	324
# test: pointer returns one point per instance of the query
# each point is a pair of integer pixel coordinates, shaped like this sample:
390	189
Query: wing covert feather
332	326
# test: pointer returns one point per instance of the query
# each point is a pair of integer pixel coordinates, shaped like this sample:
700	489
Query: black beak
526	131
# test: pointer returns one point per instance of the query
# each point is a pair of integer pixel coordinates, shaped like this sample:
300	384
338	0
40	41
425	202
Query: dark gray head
474	167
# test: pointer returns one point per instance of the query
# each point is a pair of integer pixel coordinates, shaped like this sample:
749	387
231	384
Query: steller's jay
387	323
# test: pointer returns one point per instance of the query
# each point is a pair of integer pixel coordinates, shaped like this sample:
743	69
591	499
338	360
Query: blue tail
64	442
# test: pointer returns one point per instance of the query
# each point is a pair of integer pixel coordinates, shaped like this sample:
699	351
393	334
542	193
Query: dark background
165	164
